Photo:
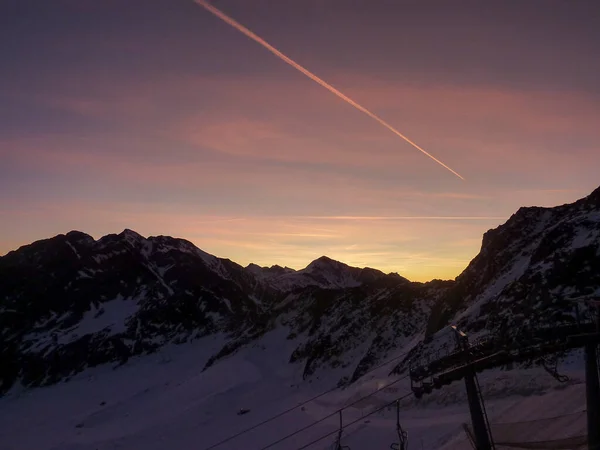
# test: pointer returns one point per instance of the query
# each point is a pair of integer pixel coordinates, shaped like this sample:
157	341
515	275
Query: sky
157	116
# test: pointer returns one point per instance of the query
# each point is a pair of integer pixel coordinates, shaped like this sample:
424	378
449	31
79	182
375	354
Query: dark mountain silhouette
72	302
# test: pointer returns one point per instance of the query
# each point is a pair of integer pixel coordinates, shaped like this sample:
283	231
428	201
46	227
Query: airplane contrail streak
221	15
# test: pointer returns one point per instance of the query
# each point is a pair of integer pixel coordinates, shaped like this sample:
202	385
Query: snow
74	250
146	248
165	400
227	303
181	245
132	237
517	269
543	222
585	237
105	256
157	273
311	277
162	270
110	317
112	314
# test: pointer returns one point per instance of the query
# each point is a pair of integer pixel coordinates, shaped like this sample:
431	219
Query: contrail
221	15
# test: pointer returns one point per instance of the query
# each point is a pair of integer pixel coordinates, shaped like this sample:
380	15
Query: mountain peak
279	268
77	237
131	236
594	197
272	271
324	262
130	233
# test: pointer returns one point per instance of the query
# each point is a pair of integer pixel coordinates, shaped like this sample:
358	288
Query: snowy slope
165	400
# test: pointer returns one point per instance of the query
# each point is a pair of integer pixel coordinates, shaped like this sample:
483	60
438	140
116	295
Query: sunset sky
155	115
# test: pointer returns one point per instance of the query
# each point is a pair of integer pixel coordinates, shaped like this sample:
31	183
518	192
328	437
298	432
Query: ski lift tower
592	383
468	358
459	364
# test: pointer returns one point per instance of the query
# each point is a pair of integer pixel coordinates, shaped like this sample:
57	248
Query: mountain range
71	302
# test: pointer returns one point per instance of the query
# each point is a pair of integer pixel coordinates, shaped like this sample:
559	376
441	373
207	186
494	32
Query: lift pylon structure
590	342
468	359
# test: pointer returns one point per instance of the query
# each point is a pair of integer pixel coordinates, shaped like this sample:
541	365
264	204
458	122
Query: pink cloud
499	130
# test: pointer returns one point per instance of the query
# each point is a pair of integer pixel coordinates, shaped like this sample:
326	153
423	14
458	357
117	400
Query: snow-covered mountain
72	302
323	272
525	277
527	270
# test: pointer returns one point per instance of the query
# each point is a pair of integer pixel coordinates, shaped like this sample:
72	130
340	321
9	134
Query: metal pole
339	439
482	440
592	390
400	443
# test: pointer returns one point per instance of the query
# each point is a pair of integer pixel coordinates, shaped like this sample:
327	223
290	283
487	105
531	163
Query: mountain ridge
132	237
122	296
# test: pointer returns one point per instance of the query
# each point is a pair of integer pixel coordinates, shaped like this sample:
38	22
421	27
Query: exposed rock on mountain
527	270
70	302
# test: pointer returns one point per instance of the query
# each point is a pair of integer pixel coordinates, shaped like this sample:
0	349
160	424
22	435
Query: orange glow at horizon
221	15
406	245
174	128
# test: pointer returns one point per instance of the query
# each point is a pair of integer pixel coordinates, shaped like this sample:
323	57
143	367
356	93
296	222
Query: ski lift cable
336	412
282	413
351	423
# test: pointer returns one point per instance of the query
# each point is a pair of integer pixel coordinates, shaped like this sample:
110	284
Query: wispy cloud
399	218
488	131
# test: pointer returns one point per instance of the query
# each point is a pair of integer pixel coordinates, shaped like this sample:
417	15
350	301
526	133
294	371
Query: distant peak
594	197
256	269
131	236
78	236
75	233
282	269
130	233
324	261
273	270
